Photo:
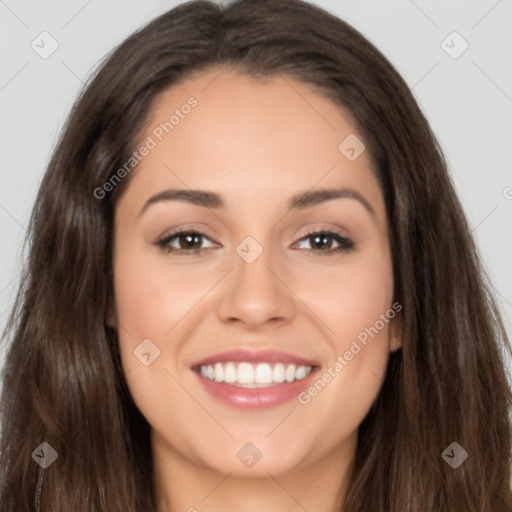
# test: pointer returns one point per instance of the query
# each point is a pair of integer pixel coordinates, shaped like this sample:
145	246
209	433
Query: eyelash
346	244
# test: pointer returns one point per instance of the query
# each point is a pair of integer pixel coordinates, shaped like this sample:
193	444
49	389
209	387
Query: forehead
275	116
248	137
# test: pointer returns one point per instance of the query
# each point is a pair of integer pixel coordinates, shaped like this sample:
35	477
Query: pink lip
255	398
254	356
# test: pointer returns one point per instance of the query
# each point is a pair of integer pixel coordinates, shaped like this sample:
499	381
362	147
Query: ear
110	319
396	332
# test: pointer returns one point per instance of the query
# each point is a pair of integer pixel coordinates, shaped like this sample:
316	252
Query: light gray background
468	100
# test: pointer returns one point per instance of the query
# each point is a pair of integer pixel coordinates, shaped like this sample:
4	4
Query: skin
256	143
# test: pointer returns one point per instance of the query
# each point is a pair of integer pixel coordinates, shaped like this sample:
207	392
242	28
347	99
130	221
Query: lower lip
256	398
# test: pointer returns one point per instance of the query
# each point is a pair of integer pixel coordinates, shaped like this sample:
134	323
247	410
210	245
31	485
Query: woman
149	371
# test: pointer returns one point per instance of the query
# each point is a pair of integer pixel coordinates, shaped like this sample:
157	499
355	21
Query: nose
256	294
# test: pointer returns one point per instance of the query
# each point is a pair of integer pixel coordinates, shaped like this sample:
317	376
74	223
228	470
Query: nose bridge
255	294
252	274
254	260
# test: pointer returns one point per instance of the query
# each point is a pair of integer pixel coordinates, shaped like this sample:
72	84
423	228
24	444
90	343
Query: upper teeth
253	375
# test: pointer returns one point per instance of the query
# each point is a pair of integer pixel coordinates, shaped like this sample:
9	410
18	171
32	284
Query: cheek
155	303
351	297
358	311
150	300
152	296
144	307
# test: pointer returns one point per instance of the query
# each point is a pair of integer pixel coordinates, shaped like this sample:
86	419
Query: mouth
247	375
248	379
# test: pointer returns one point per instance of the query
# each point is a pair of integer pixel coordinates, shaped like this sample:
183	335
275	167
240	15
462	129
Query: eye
188	242
324	239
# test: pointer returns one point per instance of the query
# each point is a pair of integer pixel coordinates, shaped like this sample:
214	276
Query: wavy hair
62	378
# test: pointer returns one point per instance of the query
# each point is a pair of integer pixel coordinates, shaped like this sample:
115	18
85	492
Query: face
251	307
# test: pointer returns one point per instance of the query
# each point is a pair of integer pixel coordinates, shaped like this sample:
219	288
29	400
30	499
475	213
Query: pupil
189	237
320	237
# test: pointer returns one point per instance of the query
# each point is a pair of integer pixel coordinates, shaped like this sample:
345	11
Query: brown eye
321	242
187	242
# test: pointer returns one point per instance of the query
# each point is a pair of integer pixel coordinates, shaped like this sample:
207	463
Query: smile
248	379
247	375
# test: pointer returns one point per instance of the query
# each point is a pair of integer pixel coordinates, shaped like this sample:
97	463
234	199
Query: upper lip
254	356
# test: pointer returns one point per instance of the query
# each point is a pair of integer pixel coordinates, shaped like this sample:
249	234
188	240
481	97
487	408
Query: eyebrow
300	201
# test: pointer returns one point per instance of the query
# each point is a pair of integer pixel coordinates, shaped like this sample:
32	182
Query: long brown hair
62	380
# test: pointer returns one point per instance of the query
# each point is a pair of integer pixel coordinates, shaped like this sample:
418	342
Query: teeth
300	373
263	374
229	373
278	374
245	373
254	375
290	373
218	372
